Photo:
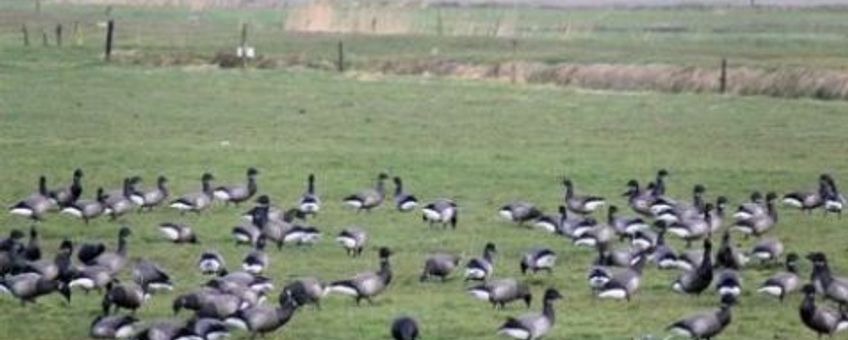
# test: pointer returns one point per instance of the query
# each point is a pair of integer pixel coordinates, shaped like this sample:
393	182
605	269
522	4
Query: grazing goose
204	329
767	249
481	268
247	279
834	201
440	265
32	252
693	228
502	291
821	319
151	277
617	257
404	328
127	296
532	326
624	226
368	284
565	224
783	283
353	240
208	302
211	262
301	235
645	240
305	290
119	203
149	199
640	200
593	237
580	204
238	193
755	206
112	327
728	282
89	278
196	201
57	268
537	259
404	201
758	225
551	222
246	233
178	232
662	254
442	210
309	202
705	325
624	284
63	197
697	280
672	211
832	287
729	256
260	320
28	287
717	214
87	209
36	204
808	200
519	212
114	261
161	330
256	260
369	198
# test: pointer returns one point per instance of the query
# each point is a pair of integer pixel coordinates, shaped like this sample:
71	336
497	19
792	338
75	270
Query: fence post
243	45
722	80
110	28
25	33
59	35
43	37
341	65
513	69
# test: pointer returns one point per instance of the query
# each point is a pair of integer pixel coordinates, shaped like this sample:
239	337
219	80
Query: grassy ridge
481	143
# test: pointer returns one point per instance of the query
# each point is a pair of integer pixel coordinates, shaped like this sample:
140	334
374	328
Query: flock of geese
237	299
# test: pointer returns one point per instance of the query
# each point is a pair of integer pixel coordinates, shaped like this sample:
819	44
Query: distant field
483	143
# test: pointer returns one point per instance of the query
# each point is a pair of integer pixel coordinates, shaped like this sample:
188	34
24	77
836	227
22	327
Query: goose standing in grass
306	290
238	193
767	249
28	287
442	210
693	228
834	201
481	268
625	283
149	199
404	201
65	196
151	277
87	209
57	268
640	200
728	282
309	203
120	202
659	183
211	262
127	296
353	240
663	255
754	206
785	282
500	292
93	277
578	203
821	319
533	326
368	284
36	204
369	198
832	287
673	211
552	222
598	235
439	265
624	226
260	320
404	328
706	325
256	260
758	225
645	240
116	260
113	327
697	280
196	201
519	212
178	232
537	259
729	256
807	201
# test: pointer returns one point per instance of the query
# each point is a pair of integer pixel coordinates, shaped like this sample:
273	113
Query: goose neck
548	310
251	184
42	186
488	255
385	272
310	185
207	188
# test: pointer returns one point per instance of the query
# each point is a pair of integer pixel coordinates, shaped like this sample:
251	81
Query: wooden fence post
110	28
513	69
59	35
340	64
722	80
243	45
25	33
43	37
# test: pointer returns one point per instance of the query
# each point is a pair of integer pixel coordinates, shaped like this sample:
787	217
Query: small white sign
247	52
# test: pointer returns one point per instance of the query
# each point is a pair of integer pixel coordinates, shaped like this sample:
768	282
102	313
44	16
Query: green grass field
482	143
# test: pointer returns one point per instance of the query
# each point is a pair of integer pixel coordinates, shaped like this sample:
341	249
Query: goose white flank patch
252	268
516	333
26	212
180	206
771	290
793	202
137	199
84	283
546	226
73	211
481	294
505	214
343	289
431	214
408	206
309	207
354	204
735	291
169	232
347	242
475	273
236	323
617	293
595	204
125	332
222	195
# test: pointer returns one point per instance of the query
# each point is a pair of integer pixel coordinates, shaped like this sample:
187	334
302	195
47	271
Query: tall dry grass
324	16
